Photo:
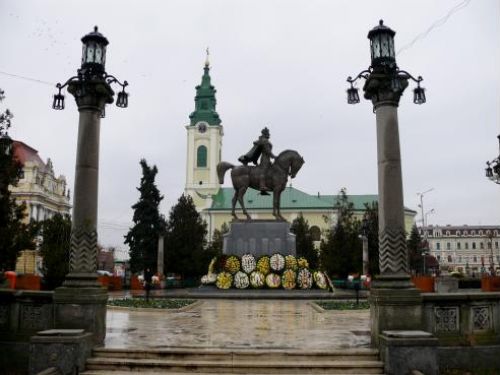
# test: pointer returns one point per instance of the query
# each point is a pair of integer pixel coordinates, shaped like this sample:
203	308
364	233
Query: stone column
395	304
81	301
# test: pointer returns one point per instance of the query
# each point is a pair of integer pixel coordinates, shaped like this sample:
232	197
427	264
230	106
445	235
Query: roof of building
205	101
24	153
291	199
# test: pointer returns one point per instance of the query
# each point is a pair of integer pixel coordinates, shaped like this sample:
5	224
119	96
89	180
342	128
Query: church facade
213	201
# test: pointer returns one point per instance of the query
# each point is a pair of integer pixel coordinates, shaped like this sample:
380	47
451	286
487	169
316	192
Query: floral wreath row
276	263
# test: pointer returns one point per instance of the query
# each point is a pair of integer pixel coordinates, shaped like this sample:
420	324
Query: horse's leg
235	198
240	194
276	205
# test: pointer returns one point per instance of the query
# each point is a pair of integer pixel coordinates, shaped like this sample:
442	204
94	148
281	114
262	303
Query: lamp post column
81	301
365	255
392	296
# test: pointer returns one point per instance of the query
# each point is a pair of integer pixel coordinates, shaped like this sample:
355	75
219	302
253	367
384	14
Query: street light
364	238
81	293
92	70
493	173
385	83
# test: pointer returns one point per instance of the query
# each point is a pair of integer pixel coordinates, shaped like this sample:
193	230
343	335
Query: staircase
232	361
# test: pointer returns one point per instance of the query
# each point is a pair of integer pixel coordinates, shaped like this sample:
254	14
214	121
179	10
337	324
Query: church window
473	246
448	246
449	259
458	246
315	233
474	259
466	246
489	245
201	157
481	245
496	244
438	246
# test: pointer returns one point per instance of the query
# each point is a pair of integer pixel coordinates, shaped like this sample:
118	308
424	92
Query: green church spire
205	100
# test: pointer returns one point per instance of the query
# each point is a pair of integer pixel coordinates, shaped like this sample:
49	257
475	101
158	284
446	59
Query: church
213	201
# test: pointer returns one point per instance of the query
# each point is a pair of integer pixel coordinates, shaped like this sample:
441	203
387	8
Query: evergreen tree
341	253
304	242
215	246
371	215
14	234
415	247
54	249
185	240
142	238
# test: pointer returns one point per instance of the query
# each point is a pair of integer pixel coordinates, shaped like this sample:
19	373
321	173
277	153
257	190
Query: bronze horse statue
287	163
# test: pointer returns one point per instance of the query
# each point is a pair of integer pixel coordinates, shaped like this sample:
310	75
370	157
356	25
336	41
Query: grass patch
153	303
343	305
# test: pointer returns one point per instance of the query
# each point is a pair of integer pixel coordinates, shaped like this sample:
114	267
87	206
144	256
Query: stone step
236	367
142	372
230	355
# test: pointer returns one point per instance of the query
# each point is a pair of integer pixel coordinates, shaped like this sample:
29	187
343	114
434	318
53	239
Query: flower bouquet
257	279
291	262
248	263
232	264
288	279
241	280
273	281
263	265
277	262
209	278
304	279
224	280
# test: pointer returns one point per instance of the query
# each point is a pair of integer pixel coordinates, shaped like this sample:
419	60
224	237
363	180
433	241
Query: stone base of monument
259	237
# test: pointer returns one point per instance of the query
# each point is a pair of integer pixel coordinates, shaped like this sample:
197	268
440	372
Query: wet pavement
278	324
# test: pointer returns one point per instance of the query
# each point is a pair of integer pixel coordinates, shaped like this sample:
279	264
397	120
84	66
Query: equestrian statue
265	176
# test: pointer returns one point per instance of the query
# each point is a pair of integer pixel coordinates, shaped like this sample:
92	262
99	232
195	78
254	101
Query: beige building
204	150
43	193
465	248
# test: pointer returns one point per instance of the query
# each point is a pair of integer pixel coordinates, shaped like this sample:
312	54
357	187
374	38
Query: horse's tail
222	168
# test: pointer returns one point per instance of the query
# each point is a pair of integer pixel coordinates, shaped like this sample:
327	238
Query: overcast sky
282	64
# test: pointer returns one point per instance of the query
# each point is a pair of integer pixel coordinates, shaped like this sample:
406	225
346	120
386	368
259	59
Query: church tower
204	144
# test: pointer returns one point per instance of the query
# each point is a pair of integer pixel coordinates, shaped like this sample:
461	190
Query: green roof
205	101
291	198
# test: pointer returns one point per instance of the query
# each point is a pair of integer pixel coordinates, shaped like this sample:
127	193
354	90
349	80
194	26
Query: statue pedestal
259	237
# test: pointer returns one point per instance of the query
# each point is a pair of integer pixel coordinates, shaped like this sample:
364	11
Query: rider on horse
264	149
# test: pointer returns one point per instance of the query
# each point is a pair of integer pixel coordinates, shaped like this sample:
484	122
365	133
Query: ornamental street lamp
364	238
81	294
392	292
493	167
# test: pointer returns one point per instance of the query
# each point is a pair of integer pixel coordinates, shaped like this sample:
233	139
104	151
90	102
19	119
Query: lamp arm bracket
112	79
60	87
405	74
363	74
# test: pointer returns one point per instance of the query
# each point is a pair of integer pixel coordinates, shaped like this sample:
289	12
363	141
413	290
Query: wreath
264	265
320	280
232	264
302	262
224	280
257	279
304	279
291	262
288	279
273	281
248	263
241	280
208	279
277	262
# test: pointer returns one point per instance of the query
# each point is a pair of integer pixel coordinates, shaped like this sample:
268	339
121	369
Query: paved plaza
277	324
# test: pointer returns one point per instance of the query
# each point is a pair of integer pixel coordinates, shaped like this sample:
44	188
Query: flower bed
154	303
272	272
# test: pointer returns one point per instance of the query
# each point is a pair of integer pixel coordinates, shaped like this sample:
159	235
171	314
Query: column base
82	308
395	304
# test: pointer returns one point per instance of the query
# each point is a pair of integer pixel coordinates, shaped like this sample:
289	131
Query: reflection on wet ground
276	324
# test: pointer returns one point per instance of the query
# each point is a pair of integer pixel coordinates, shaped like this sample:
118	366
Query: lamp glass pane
90	53
392	52
376	47
384	45
98	54
84	53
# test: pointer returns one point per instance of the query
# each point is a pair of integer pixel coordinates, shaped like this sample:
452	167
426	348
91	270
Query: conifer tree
54	249
142	238
414	245
14	234
185	240
341	253
304	242
215	246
